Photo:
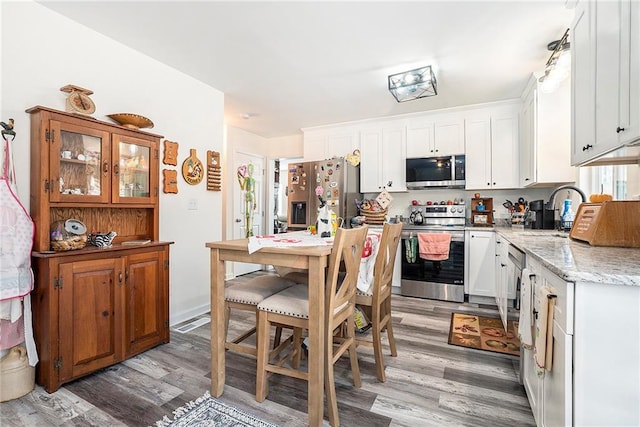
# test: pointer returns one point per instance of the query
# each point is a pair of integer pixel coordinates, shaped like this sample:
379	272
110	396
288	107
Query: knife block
614	223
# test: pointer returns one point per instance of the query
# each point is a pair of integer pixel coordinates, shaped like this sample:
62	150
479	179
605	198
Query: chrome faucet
551	203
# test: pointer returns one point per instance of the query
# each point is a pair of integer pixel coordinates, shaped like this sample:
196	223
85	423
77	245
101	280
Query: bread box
613	223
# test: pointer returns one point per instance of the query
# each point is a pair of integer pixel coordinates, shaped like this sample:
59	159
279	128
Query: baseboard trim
185	315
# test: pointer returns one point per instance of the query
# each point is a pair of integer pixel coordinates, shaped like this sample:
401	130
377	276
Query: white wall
43	51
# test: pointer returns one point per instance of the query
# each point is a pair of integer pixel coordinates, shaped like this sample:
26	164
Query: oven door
441	280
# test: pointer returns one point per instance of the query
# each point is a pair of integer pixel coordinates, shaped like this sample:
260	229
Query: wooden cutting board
614	223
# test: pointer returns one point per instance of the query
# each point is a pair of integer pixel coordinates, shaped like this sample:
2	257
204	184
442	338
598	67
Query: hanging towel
525	322
434	246
543	350
411	248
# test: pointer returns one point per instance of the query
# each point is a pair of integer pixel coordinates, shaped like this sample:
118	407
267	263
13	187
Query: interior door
239	206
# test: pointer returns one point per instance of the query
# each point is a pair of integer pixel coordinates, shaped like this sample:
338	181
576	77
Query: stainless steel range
441	280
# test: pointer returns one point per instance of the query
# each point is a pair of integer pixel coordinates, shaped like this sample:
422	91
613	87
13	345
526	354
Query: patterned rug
206	411
484	333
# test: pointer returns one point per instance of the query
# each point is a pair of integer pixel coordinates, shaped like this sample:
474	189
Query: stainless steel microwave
428	172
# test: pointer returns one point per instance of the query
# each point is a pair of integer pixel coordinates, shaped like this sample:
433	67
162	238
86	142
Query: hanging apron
16	241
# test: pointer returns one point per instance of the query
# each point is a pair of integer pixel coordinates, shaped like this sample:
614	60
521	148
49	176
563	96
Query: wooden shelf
482	212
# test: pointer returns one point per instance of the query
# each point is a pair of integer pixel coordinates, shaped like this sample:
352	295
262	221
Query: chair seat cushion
293	301
256	289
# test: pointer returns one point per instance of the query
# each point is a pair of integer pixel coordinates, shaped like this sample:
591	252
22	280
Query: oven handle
455	237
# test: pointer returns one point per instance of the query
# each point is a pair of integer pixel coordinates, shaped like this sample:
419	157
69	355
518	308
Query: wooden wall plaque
170	154
170	181
214	171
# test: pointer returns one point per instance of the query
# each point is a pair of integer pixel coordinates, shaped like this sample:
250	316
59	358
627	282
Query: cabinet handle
120	277
105	168
619	129
526	179
535	313
390	183
116	169
587	147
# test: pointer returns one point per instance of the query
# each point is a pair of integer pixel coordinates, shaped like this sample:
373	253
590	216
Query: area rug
206	411
484	333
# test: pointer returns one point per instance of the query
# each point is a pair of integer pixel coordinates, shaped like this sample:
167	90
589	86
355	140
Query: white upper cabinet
435	136
491	147
320	144
382	158
605	77
545	137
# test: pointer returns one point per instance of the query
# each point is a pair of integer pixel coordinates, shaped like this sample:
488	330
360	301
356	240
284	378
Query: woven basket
374	217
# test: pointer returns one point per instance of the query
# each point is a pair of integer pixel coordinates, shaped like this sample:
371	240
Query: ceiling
292	65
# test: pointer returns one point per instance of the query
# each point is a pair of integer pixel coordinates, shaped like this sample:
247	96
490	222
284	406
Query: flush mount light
414	84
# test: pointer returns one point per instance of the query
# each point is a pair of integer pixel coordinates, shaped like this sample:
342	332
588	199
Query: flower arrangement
248	185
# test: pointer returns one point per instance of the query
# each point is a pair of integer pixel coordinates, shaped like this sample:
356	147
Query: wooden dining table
311	258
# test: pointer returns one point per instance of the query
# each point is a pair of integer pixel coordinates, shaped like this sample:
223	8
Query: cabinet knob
526	179
587	147
105	168
389	184
619	129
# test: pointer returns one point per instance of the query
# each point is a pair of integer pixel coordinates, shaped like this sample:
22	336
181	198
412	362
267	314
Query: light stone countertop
577	261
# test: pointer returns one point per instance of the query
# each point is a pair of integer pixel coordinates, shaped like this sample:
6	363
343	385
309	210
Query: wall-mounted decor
170	154
214	171
170	181
192	169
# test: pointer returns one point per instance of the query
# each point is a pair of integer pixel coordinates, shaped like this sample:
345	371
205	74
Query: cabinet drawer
563	311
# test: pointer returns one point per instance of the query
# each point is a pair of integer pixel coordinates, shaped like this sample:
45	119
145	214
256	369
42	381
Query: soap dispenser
566	219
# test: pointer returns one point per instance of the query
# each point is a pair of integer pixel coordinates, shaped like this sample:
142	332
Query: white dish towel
525	323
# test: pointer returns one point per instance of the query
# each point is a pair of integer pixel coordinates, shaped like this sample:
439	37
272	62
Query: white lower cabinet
480	255
550	395
504	287
595	374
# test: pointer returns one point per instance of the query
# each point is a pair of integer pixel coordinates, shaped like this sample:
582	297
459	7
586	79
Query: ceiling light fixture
414	84
559	64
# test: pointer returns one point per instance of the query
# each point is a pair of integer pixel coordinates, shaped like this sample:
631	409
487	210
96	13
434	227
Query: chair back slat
385	260
347	250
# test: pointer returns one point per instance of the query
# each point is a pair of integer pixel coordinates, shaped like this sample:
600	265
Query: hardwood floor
430	383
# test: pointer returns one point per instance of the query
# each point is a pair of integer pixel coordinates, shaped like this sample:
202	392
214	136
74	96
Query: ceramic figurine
7	129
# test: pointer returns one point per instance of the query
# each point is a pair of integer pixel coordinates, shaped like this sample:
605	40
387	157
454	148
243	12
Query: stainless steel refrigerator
340	182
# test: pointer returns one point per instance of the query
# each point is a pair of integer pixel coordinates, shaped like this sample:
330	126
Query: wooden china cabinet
93	307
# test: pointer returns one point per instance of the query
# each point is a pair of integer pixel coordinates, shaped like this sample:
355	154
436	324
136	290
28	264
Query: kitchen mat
484	333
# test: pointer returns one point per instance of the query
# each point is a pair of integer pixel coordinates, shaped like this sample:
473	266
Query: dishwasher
516	265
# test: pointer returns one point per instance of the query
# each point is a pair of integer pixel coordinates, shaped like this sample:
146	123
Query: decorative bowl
101	240
131	121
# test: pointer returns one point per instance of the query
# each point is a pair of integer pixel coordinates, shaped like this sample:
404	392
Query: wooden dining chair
291	307
377	301
246	296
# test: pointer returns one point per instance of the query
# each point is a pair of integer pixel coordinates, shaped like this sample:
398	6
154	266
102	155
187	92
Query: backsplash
402	201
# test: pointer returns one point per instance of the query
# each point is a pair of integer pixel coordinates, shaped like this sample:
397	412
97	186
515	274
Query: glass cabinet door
134	177
79	164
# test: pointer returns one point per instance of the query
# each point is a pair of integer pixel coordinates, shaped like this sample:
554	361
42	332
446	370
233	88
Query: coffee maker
543	219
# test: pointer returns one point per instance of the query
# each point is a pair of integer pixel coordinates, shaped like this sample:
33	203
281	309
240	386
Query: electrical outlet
192	204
